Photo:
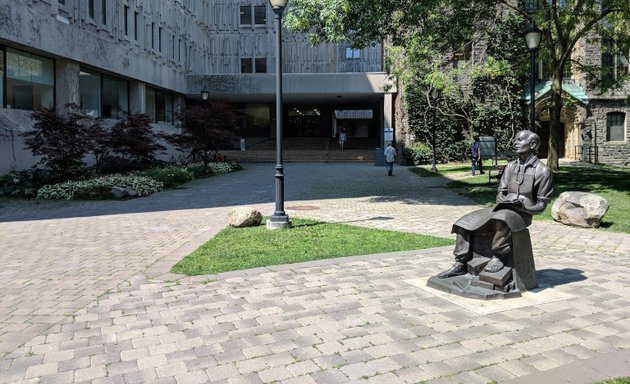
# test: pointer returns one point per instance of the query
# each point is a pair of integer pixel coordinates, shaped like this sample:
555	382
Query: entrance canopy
354	114
570	88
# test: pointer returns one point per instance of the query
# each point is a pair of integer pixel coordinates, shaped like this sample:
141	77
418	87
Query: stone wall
609	152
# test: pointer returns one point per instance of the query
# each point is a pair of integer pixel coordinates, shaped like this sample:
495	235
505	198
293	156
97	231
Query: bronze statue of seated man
524	190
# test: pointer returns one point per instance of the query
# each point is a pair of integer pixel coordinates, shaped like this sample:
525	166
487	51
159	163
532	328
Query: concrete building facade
113	57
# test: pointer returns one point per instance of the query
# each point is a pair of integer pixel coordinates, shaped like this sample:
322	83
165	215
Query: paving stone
298	323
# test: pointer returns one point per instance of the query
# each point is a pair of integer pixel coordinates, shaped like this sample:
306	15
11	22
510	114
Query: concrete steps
306	149
303	155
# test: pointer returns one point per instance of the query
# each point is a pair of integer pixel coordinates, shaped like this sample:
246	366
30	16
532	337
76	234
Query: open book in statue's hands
513	204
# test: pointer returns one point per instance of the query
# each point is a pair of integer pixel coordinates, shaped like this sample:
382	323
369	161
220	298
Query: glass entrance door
303	122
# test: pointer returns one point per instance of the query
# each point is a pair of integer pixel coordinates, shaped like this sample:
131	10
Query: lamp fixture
205	94
532	37
278	4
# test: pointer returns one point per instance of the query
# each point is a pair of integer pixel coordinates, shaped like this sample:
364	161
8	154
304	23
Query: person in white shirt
390	158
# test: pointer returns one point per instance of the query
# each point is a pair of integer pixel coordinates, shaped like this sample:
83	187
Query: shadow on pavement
550	278
255	184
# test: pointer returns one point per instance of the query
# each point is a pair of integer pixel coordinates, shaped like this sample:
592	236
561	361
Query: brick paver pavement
87	296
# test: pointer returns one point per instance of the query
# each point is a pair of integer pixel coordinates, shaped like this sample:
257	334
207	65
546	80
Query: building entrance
304	122
544	140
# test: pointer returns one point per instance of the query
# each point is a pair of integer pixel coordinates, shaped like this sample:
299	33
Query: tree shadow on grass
591	179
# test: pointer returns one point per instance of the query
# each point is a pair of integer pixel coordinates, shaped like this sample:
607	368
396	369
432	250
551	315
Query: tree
98	141
134	142
417	31
220	130
564	23
60	140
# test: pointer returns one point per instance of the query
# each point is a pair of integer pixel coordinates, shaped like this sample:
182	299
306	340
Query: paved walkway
87	295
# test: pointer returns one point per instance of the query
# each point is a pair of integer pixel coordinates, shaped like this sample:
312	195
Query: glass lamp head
278	4
532	37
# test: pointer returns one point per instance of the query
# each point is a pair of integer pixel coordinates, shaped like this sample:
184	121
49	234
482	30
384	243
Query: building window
253	15
246	66
103	95
615	126
152	35
353	54
258	65
534	5
90	92
260	15
173	47
30	80
1	78
126	20
160	39
614	63
115	97
261	65
246	15
136	15
462	54
91	9
104	11
159	105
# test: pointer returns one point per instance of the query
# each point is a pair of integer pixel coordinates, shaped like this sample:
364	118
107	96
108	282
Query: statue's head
526	142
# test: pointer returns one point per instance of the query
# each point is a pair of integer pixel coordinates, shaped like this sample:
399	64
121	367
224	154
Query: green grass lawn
443	169
242	248
621	380
611	183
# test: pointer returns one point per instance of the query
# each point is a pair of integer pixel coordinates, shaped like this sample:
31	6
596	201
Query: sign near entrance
353	113
388	134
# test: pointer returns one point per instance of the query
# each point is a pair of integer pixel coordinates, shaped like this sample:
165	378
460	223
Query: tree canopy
419	34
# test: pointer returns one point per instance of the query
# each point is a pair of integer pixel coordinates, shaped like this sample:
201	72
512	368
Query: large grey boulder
240	217
581	209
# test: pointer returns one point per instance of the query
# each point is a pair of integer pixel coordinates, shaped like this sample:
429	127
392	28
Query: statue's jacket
531	181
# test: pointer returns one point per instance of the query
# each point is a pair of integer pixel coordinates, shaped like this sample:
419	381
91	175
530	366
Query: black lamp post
532	39
279	219
434	96
204	97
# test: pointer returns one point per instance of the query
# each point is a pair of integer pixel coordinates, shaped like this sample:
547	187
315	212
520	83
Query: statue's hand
534	208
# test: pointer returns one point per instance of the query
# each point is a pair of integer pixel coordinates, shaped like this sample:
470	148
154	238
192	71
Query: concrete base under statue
469	286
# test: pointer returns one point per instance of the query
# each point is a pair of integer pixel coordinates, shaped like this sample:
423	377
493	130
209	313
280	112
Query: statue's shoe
457	269
494	265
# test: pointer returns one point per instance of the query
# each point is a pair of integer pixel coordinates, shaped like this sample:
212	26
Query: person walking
390	158
342	138
476	157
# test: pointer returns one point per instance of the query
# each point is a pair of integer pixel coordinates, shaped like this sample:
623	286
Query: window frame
158	111
610	116
42	90
352	53
250	65
250	16
612	61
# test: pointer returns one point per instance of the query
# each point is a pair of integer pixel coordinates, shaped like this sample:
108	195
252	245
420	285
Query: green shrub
220	168
418	154
25	183
217	168
170	176
99	188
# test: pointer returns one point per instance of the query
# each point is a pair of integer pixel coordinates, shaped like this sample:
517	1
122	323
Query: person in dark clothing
476	157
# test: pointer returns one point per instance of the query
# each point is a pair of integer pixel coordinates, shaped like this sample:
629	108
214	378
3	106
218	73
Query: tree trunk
555	109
